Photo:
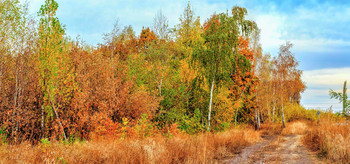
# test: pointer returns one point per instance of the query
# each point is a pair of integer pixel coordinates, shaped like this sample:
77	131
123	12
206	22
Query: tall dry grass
268	129
204	148
331	139
296	128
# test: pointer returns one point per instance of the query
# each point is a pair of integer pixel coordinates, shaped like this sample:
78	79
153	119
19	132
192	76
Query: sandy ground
276	149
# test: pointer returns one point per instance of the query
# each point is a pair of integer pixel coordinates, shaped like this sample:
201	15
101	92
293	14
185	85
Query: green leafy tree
15	49
10	26
215	59
342	97
187	32
56	77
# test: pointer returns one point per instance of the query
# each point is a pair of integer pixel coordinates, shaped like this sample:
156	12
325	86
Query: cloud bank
319	83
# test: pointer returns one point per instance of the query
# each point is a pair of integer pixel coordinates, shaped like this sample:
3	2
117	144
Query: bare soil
276	149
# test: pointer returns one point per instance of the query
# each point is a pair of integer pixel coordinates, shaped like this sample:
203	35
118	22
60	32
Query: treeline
192	77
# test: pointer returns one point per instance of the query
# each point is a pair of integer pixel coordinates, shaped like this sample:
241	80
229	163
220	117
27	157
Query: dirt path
276	149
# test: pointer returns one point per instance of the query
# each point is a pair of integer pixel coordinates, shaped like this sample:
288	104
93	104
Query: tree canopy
190	78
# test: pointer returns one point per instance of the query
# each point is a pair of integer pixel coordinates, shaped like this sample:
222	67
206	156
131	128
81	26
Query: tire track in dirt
276	149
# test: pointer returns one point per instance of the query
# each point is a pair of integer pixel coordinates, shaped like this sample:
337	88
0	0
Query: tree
56	74
16	47
187	32
147	36
111	38
11	25
244	83
342	97
215	59
265	90
160	26
157	58
120	42
286	74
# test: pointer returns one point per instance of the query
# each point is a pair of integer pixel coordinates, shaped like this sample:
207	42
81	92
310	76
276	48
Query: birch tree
56	74
286	71
216	58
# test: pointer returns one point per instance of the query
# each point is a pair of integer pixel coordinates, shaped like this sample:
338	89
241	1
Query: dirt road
276	149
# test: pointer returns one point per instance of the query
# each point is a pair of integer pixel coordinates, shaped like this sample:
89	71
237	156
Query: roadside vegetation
175	147
329	138
192	93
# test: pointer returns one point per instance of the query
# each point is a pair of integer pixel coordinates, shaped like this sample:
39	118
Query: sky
319	30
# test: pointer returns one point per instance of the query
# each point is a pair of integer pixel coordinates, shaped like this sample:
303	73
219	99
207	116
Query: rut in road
276	149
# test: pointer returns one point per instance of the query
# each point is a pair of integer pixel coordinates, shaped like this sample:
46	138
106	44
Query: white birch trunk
283	121
42	122
210	103
59	121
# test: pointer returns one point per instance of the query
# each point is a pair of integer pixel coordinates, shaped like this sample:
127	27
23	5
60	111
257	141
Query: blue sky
319	30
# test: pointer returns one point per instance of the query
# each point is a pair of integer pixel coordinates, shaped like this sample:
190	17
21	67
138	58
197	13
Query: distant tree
111	37
157	58
147	36
160	26
342	97
187	32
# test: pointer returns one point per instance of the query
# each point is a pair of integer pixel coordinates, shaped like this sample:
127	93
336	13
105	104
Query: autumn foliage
159	82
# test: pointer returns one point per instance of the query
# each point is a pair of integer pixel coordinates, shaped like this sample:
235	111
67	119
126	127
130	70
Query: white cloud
319	83
331	78
271	26
318	28
321	45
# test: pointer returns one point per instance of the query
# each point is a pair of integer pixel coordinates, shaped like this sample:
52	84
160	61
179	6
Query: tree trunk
210	103
283	121
256	119
273	113
14	106
344	99
259	120
161	82
284	124
59	121
274	104
42	122
112	55
1	75
236	117
160	87
257	113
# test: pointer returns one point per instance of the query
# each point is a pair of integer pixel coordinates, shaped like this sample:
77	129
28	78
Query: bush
192	125
295	112
3	135
144	127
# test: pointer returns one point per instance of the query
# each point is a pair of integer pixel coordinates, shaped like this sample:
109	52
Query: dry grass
202	148
271	129
296	128
331	139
